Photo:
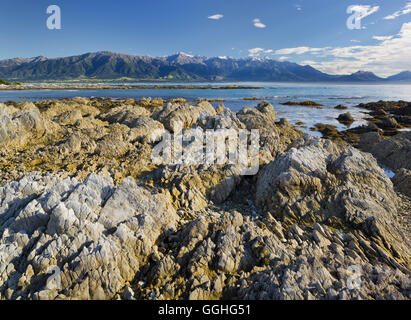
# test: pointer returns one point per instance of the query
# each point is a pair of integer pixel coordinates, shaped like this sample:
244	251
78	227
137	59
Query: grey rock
402	181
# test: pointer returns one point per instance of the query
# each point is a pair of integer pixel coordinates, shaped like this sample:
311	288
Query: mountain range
178	67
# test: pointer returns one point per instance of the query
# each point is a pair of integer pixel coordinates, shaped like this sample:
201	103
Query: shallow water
329	95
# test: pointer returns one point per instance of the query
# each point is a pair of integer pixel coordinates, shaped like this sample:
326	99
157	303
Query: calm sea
329	95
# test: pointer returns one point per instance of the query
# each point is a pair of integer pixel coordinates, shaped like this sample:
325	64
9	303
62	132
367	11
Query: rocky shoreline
387	118
79	193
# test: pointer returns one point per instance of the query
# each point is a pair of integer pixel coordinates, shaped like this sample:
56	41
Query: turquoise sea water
329	95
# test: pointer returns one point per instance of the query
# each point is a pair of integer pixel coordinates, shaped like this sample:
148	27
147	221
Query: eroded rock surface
96	234
86	214
317	182
394	152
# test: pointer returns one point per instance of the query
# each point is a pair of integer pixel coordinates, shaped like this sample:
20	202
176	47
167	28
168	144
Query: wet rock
328	131
389	123
346	118
304	104
340	107
400	111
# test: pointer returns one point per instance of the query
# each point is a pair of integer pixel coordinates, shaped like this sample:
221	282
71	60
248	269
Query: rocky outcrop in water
386	137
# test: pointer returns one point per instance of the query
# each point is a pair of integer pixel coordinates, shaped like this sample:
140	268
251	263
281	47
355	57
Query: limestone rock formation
95	234
316	181
85	213
394	152
402	180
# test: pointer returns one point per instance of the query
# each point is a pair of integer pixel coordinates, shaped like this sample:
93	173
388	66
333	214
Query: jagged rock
69	117
115	143
220	108
316	180
17	128
402	181
194	186
273	140
292	231
147	130
127	115
393	152
97	235
261	116
225	119
186	115
389	123
369	139
128	294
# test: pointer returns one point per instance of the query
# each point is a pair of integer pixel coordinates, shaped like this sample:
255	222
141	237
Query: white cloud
216	17
298	7
258	23
382	38
395	15
356	41
298	50
255	52
282	58
308	62
389	56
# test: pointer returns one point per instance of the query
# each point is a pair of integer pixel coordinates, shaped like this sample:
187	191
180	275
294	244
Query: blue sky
304	31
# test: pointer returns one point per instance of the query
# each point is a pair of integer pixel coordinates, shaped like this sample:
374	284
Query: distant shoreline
125	87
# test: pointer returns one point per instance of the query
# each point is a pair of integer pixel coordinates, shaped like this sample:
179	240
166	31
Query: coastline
123	87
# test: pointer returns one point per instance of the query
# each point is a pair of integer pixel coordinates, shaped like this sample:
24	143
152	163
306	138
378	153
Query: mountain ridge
178	67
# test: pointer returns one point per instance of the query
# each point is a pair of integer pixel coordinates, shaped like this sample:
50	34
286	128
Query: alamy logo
208	147
359	12
54	21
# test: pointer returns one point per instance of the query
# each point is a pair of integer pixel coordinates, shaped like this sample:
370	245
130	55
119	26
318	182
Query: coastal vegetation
69	86
4	82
